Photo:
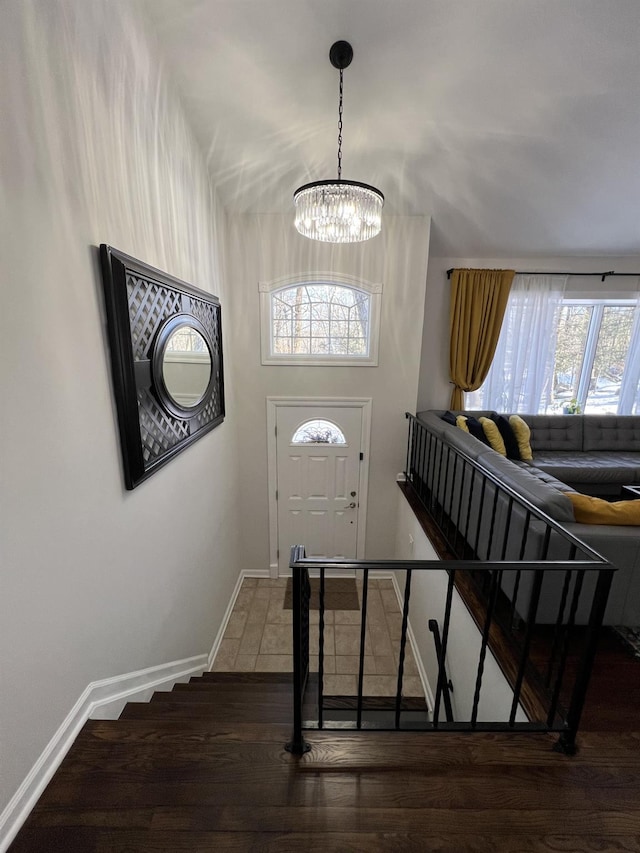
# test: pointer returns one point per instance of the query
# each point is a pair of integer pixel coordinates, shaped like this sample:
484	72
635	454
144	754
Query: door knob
352	505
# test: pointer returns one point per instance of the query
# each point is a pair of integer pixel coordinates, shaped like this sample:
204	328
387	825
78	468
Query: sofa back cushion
611	432
555	432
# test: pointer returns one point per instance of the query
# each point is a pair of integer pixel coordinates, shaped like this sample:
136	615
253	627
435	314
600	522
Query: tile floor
258	639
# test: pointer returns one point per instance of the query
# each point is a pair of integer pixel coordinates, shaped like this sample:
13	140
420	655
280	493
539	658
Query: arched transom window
318	432
320	322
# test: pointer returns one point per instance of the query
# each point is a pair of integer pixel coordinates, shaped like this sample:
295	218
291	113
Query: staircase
203	768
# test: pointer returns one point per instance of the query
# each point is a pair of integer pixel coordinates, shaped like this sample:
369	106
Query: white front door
318	451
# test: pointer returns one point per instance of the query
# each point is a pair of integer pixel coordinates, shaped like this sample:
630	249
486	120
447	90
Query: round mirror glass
186	366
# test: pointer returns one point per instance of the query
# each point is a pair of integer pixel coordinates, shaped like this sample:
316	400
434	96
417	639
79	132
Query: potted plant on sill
573	407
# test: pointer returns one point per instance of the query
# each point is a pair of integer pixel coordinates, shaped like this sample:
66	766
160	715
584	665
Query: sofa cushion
508	436
465	442
474	426
523	479
622	468
493	435
523	435
611	432
449	418
555	432
589	510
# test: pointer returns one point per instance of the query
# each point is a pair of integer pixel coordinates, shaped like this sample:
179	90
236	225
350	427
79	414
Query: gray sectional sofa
592	454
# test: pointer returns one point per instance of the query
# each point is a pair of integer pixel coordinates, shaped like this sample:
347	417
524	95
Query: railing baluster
422	465
445	641
469	506
558	626
437	494
452	482
483	490
408	465
494	586
459	516
442	670
433	449
321	652
403	643
363	638
523	548
507	528
575	598
492	525
531	618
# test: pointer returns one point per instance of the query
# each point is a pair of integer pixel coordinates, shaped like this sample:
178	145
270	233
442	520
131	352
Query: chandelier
338	211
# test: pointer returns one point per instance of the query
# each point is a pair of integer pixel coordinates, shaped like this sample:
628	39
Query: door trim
273	403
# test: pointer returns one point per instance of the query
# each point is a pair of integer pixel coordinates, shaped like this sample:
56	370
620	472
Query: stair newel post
300	603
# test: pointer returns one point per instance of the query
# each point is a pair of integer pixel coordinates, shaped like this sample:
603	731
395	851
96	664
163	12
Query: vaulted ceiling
515	124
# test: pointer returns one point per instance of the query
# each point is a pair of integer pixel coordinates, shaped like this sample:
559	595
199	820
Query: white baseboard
428	692
246	573
100	699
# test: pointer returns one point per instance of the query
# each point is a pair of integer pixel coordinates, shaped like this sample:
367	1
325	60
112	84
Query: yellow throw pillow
588	510
461	422
493	435
523	434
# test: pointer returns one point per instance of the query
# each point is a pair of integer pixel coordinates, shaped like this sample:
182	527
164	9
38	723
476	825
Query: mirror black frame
144	306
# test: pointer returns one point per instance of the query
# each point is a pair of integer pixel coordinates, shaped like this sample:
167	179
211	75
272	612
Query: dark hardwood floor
203	769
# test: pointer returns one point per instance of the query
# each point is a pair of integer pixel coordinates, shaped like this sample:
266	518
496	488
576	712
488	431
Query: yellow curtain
478	302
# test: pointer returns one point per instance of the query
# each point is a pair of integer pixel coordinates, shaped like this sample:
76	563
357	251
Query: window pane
318	432
573	327
282	346
610	359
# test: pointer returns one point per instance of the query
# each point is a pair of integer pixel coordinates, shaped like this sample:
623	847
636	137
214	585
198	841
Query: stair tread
215	712
182	731
228	686
248	677
218	697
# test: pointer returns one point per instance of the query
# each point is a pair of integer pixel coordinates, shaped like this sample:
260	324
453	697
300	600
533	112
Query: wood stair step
218	697
247	677
182	731
225	687
218	712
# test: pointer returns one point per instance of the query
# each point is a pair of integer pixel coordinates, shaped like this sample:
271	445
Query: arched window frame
268	289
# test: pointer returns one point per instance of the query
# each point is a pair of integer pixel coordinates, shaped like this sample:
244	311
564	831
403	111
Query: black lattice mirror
166	354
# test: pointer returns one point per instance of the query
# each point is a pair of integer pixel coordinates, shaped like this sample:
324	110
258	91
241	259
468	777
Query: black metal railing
444	683
537	595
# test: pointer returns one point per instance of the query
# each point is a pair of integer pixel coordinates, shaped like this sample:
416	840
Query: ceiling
515	124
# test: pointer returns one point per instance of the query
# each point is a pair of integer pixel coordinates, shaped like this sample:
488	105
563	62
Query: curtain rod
545	272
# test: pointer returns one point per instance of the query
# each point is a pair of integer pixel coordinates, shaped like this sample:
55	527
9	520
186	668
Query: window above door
320	319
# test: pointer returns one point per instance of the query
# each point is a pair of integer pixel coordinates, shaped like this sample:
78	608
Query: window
318	432
586	353
320	321
592	353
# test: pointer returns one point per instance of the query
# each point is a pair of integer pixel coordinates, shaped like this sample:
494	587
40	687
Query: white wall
263	248
428	598
95	581
434	389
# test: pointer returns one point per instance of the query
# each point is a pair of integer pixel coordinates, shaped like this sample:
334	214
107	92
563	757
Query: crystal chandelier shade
338	211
